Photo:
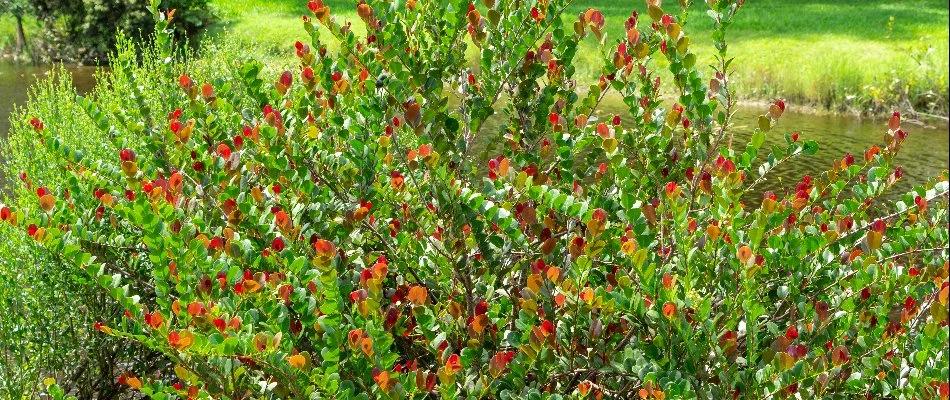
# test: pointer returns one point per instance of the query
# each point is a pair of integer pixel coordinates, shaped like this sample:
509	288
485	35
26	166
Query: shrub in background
86	30
327	232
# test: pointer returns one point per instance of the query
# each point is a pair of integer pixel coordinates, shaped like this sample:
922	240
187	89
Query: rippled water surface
926	151
924	154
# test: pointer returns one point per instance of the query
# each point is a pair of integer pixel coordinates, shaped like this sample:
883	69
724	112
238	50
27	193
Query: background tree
17	8
85	30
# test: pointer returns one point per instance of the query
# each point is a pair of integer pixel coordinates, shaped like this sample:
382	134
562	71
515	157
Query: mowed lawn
831	53
822	52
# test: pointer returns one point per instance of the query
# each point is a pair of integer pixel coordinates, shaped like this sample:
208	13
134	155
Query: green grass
825	53
839	55
8	31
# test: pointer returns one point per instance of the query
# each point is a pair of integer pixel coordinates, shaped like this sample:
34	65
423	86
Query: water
925	153
15	80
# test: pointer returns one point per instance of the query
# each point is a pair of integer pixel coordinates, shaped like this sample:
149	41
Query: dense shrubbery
86	30
327	231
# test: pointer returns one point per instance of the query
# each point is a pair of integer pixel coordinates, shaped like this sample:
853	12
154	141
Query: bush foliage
327	232
86	30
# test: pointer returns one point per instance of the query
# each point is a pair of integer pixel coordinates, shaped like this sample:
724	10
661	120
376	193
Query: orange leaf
251	286
874	240
207	91
854	254
669	310
47	202
324	248
322	14
367	346
365	12
297	361
534	282
382	379
628	247
744	254
360	214
134	383
181	339
560	299
584	388
453	364
713	232
588	295
503	166
414	114
397	182
156	320
195	308
479	323
418	295
667	280
283	221
354	337
380	270
175	182
425	150
554	273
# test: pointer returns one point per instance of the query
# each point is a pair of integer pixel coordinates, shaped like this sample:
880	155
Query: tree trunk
20	35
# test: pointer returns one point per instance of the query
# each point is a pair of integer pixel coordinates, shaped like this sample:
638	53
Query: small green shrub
36	287
326	231
46	329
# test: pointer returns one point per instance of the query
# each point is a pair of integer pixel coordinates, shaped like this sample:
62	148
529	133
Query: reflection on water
925	154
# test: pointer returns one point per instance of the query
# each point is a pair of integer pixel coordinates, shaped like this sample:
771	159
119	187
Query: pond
925	154
15	81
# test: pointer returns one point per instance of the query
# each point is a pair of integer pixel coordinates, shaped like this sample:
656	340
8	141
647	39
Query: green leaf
764	124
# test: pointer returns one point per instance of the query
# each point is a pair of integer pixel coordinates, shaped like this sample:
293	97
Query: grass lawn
846	55
857	55
8	30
